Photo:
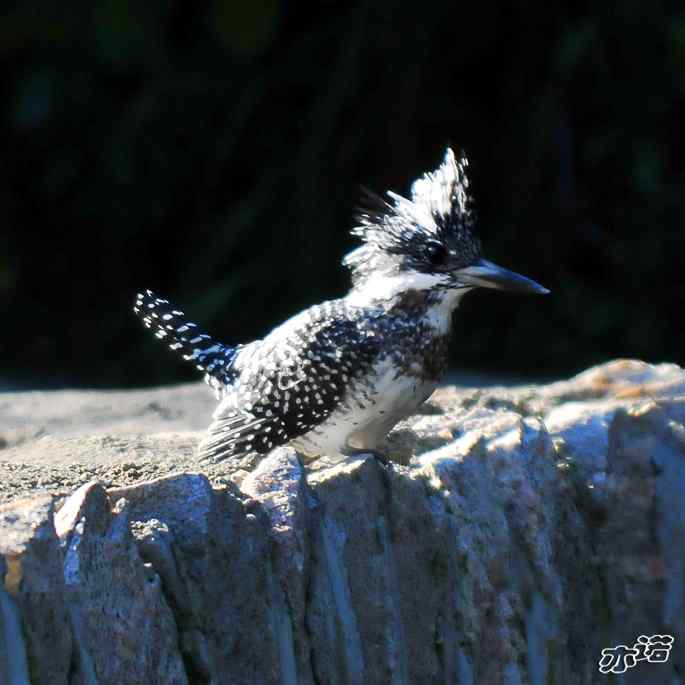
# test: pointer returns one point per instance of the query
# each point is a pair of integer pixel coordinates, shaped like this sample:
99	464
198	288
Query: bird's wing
233	435
290	382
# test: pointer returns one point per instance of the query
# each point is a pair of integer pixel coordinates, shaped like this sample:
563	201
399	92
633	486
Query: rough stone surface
518	532
123	628
35	638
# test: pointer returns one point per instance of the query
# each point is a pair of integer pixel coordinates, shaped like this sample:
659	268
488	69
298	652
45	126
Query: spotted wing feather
291	382
233	435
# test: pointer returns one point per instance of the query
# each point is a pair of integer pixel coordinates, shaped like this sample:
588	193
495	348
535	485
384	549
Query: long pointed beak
485	274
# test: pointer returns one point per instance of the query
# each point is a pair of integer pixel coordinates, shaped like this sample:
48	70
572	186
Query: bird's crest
414	233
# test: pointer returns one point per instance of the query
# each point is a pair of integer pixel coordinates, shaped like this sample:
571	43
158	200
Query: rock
524	531
35	640
279	484
123	629
211	551
25	416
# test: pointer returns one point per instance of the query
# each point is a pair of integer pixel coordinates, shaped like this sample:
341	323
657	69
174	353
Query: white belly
366	416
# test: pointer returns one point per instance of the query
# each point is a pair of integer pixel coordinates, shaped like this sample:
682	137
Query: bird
333	380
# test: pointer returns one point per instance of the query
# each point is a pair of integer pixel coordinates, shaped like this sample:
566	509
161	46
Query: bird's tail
169	323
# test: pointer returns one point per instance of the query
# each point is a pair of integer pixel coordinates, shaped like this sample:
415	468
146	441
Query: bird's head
426	243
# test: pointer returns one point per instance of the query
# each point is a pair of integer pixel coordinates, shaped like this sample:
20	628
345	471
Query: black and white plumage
335	379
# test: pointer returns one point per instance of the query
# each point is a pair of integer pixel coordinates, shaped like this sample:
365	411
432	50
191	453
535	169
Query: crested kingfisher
334	379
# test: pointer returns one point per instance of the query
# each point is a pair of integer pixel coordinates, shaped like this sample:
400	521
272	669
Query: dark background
214	153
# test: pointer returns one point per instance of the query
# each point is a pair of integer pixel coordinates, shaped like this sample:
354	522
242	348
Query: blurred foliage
214	152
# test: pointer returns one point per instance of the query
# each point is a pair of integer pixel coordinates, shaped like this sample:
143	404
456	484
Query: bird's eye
438	254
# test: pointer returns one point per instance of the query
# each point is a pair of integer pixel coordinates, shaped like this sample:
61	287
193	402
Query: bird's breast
417	347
